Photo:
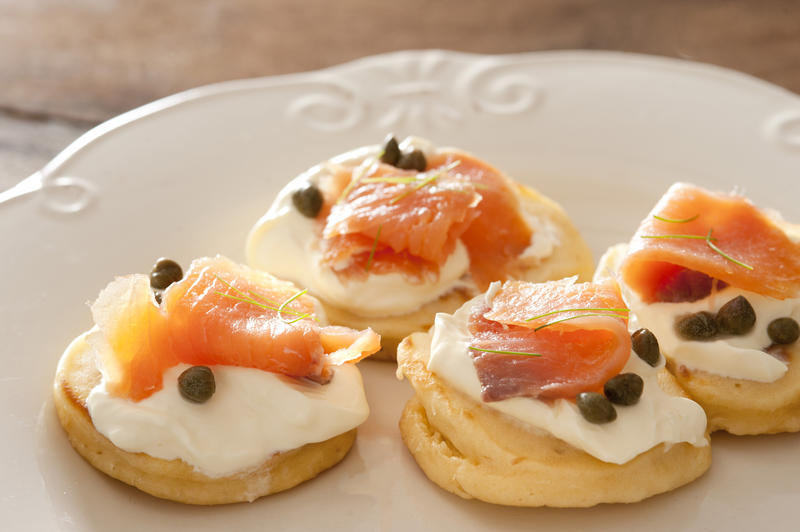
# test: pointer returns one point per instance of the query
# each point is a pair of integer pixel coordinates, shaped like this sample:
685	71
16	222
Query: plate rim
211	90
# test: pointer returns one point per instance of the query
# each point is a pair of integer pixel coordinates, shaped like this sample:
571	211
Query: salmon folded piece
392	220
219	313
575	334
694	237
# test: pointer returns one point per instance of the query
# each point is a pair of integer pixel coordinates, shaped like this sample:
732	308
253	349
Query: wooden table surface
68	65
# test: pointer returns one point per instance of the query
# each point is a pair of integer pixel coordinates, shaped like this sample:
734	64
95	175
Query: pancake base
745	407
570	257
175	480
476	452
737	406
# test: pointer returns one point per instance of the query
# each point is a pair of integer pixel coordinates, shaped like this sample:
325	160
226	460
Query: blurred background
67	65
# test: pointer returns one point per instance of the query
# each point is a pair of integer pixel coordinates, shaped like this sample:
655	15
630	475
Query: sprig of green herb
280	309
505	352
420	180
244	296
715	248
372	251
355	178
298	318
709	241
395	179
261	297
429	178
247	300
540	327
295	296
673	221
561	311
256	295
421	184
695	237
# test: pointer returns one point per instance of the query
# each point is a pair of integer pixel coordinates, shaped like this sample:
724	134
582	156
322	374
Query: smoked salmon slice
219	313
382	219
499	233
578	332
694	238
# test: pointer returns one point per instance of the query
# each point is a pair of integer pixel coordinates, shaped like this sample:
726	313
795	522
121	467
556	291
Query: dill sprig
576	310
421	184
505	352
256	295
394	179
244	296
298	318
419	180
715	248
247	300
695	237
265	303
295	296
709	241
540	327
429	178
355	178
673	221
372	251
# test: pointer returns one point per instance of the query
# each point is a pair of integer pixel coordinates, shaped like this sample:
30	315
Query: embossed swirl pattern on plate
500	87
430	90
784	128
66	194
333	106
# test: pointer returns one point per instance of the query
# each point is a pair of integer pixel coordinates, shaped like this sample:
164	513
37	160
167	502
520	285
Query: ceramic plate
604	134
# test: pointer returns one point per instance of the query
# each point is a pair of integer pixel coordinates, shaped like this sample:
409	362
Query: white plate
604	134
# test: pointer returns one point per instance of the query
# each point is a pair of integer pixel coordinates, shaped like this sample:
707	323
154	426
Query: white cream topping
252	415
740	357
657	418
544	240
284	243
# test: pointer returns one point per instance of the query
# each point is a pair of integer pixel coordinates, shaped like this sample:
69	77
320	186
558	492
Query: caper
308	200
391	151
164	273
624	389
736	316
783	331
197	384
414	160
697	326
645	345
595	408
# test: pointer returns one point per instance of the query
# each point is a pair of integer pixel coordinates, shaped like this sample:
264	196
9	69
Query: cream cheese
285	243
544	240
657	418
252	415
740	357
